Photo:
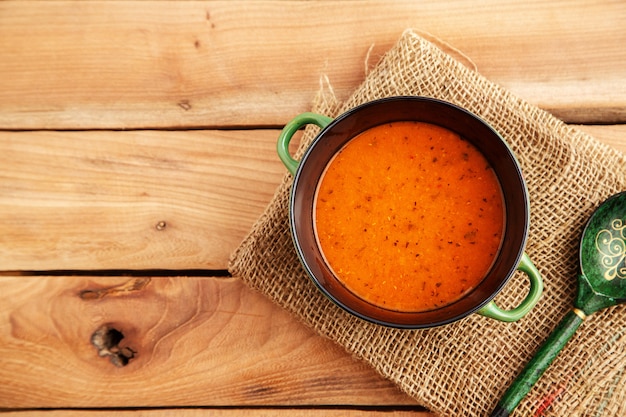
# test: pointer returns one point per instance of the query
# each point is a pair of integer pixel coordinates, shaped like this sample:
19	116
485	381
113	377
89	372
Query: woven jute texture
463	368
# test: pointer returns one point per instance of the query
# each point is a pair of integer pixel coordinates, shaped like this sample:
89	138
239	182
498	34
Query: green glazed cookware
335	133
601	284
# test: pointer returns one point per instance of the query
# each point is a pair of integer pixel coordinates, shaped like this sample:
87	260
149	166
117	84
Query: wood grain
141	199
131	200
193	342
216	412
138	64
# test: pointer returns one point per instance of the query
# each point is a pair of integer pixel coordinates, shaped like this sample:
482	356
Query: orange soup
409	216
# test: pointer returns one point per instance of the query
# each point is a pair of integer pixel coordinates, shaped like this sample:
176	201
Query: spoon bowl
601	284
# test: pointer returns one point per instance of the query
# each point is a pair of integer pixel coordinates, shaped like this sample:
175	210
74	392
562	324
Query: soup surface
409	216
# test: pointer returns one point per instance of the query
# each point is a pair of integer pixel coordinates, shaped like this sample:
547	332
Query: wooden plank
216	412
131	200
96	200
137	64
191	342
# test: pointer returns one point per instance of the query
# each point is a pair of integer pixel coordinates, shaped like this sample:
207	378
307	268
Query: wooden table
137	149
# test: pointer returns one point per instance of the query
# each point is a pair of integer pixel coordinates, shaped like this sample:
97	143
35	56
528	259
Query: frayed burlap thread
462	369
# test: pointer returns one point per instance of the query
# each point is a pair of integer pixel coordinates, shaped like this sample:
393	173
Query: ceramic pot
336	133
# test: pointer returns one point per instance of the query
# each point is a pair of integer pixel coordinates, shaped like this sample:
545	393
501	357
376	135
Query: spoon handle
539	363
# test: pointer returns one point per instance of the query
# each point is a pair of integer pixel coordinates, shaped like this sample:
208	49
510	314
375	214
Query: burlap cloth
462	369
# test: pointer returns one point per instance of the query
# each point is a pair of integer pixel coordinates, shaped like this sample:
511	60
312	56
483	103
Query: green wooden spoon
601	284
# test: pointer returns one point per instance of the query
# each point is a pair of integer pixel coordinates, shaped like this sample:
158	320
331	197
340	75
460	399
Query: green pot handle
290	129
491	310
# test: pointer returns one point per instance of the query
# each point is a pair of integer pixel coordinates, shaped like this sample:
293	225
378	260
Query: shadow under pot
410	212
